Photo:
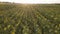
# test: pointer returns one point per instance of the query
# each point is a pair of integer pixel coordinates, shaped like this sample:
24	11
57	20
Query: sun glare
27	1
31	1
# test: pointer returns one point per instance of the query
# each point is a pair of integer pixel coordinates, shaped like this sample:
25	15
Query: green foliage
29	19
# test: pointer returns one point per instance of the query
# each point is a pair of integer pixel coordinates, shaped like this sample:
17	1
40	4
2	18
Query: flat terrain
29	18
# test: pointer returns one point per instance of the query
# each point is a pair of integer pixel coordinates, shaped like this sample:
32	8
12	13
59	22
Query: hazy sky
32	1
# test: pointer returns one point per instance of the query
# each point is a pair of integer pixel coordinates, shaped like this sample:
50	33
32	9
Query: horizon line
29	3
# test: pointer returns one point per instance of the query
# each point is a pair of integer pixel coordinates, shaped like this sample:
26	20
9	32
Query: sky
32	1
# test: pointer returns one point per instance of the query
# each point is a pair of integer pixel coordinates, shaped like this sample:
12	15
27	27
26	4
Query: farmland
29	19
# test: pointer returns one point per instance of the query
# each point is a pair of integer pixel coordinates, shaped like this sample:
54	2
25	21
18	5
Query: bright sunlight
32	1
